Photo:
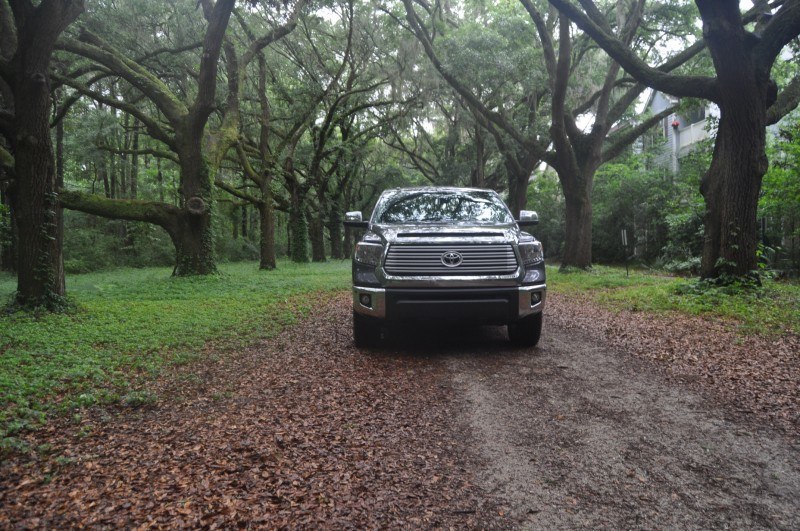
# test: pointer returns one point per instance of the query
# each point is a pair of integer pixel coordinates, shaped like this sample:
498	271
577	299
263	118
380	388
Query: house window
696	115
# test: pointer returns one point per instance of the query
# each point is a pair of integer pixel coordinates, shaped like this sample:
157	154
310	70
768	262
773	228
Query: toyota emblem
452	259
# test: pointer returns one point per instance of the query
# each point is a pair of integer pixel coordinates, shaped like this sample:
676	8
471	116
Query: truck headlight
532	253
369	253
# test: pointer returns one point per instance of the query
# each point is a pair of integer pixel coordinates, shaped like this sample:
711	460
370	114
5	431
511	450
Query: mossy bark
316	234
194	237
40	273
298	233
266	212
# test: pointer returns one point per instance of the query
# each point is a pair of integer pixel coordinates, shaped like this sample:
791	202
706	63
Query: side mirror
353	220
528	218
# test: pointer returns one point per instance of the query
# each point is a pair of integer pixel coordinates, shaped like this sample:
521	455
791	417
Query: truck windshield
445	207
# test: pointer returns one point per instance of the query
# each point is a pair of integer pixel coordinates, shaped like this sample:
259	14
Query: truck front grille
427	260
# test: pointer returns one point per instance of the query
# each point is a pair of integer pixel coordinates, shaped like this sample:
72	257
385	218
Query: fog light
536	298
366	300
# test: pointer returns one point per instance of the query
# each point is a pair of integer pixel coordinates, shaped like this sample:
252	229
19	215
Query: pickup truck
446	255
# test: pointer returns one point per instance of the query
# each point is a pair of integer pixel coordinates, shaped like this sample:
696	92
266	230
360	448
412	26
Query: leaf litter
303	431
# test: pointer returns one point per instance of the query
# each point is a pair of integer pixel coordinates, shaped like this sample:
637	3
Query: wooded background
191	132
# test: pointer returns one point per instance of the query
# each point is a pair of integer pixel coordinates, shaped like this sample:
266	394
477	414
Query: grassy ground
130	323
772	310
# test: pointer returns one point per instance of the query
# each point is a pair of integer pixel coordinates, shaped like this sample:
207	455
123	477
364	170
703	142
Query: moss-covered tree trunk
335	229
194	238
316	233
266	212
298	234
40	273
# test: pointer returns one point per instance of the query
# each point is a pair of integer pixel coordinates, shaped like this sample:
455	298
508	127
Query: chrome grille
478	259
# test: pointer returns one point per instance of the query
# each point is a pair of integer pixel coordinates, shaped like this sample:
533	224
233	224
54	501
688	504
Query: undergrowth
771	308
127	325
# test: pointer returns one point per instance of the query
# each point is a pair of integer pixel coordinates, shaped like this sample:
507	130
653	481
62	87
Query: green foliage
298	227
93	244
662	213
771	308
5	224
131	323
545	197
779	206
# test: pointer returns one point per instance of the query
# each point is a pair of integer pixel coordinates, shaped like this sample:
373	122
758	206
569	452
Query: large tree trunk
316	233
298	234
335	230
266	211
40	277
478	177
194	240
34	202
731	188
517	190
578	228
732	184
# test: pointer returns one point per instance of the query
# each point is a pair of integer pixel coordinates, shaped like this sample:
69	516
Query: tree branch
209	62
236	192
544	36
148	151
780	31
94	48
787	101
685	86
176	51
244	161
74	98
275	35
617	143
161	214
154	129
494	117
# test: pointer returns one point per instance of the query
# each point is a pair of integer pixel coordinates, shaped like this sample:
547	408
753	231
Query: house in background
677	134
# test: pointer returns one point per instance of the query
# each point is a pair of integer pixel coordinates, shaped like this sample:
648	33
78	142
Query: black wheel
526	331
366	330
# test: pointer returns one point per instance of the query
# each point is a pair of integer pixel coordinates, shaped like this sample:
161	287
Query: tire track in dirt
575	435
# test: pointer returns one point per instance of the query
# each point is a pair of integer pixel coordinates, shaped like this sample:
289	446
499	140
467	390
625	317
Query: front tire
526	331
366	330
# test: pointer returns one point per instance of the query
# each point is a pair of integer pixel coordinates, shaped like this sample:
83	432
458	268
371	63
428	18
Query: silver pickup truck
453	255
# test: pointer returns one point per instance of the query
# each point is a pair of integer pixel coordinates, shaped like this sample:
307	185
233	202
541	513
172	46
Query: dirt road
436	429
577	436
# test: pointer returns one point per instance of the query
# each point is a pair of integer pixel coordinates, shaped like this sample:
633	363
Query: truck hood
447	233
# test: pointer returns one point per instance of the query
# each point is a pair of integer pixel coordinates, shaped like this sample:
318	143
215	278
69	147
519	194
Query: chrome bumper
372	301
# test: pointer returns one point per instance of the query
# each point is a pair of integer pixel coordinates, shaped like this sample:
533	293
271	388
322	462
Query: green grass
773	309
130	323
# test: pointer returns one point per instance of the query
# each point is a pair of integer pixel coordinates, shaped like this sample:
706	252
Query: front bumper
493	305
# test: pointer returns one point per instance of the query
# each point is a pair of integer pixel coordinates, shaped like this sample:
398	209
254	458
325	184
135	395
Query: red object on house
675	123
